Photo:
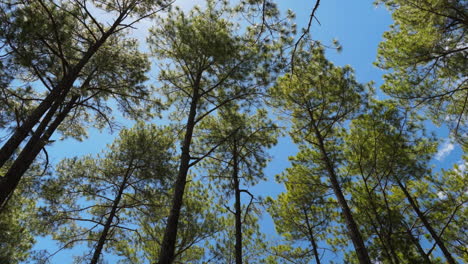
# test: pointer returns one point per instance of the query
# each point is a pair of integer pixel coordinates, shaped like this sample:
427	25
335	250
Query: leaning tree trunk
166	255
10	181
418	246
426	224
311	237
62	89
354	233
110	219
27	156
23	130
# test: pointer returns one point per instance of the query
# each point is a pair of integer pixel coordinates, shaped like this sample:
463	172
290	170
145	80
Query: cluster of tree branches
361	188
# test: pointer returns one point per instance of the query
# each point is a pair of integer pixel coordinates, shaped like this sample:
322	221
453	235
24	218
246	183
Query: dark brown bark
426	224
353	230
63	87
311	237
415	241
13	176
385	236
11	179
110	219
26	127
237	207
166	255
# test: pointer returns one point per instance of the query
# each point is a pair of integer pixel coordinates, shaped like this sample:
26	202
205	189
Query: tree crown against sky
362	183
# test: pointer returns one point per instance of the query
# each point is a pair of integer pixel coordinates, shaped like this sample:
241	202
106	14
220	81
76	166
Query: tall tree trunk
10	181
237	206
426	224
385	236
353	230
107	225
415	241
311	237
23	130
63	87
166	255
28	154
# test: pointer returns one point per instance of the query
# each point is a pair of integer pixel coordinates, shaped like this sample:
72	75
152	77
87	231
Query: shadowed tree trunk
237	206
418	246
311	237
27	156
168	244
51	103
353	230
426	224
107	226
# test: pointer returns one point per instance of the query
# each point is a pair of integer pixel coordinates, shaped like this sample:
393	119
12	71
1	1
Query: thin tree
65	49
320	97
212	66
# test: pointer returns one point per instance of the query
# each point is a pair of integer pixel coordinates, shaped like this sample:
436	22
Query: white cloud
442	195
462	167
444	150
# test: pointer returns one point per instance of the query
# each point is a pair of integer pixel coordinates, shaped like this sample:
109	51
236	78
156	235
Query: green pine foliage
229	81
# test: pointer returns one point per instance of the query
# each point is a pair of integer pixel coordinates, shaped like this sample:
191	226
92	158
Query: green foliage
248	135
218	61
319	99
318	94
19	224
79	199
212	59
399	149
241	141
54	45
16	238
426	50
387	147
198	223
304	213
254	243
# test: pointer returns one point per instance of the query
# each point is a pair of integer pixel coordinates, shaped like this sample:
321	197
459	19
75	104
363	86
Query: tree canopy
200	116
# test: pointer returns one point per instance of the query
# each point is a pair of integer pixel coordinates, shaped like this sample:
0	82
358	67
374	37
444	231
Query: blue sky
357	25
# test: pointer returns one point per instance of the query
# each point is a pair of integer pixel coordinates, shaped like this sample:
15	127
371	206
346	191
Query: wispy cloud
462	166
444	150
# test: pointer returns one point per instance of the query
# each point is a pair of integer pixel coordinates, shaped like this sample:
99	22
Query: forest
229	134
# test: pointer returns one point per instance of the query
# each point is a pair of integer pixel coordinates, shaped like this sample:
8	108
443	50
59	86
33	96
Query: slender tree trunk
110	219
21	132
418	246
311	237
237	207
383	240
354	233
166	255
10	181
426	224
28	154
384	236
52	107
